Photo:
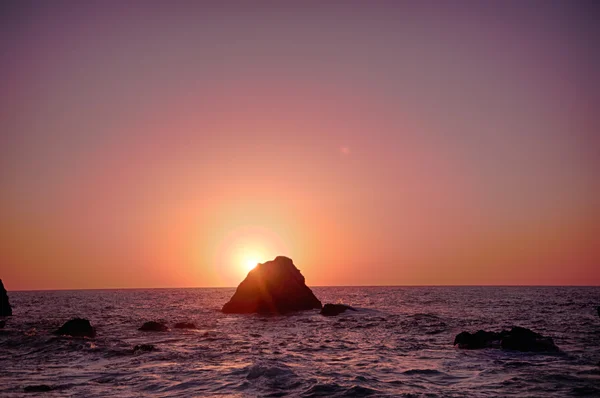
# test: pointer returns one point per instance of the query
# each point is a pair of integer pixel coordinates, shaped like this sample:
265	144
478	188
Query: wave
270	370
384	349
324	390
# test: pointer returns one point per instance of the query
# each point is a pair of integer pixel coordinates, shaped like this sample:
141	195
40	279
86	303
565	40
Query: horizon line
315	286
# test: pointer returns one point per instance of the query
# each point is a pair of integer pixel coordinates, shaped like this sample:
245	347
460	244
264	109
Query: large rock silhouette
274	287
5	308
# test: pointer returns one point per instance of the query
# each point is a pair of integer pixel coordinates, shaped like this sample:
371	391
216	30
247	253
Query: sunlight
249	255
251	263
238	250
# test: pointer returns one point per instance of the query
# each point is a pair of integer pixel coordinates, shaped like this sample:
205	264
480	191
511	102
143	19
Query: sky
175	144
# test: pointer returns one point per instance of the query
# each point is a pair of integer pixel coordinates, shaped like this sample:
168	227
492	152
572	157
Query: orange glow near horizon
179	148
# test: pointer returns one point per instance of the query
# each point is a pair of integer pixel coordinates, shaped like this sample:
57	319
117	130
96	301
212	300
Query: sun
250	263
249	257
241	249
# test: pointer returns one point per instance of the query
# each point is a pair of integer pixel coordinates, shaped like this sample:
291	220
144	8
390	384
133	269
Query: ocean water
399	343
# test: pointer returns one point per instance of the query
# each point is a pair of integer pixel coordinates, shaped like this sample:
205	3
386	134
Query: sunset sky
375	143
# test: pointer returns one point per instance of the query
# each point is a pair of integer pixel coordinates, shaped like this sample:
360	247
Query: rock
479	339
143	348
5	308
518	339
154	327
597	308
2	324
184	325
274	287
335	309
77	327
522	339
38	388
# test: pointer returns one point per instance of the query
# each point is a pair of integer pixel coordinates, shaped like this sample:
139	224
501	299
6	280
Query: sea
398	344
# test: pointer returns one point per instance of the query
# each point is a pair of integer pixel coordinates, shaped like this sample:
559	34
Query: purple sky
431	142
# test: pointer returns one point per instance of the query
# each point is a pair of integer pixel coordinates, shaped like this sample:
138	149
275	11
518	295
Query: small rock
38	388
77	327
2	324
184	325
518	339
5	308
522	339
154	327
335	309
477	340
143	348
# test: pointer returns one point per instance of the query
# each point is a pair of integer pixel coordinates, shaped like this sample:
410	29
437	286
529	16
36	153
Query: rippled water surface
399	343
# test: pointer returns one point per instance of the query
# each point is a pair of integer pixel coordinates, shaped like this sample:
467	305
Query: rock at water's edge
335	309
5	308
154	327
518	339
77	327
274	287
598	309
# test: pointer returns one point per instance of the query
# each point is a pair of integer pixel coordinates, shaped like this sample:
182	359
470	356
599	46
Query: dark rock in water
77	327
274	287
184	325
522	339
479	339
38	388
335	309
518	339
154	327
143	348
597	308
5	308
2	324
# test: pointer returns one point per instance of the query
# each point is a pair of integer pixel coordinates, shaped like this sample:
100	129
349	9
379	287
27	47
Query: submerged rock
184	325
335	309
154	327
77	327
518	339
38	388
2	324
5	308
143	348
479	339
597	309
274	287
